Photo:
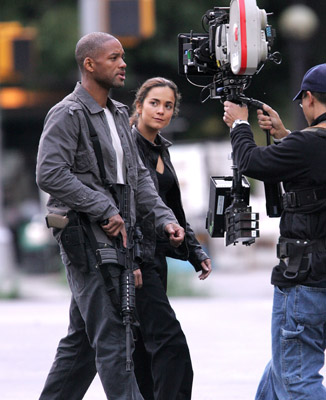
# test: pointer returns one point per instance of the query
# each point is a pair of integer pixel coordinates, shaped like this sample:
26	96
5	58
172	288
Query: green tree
57	31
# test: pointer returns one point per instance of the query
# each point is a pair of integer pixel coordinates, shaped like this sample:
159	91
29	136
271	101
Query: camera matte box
220	198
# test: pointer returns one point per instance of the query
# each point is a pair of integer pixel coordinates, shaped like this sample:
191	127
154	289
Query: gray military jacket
67	167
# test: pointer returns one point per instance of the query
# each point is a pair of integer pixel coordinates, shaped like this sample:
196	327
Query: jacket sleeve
55	161
269	163
196	252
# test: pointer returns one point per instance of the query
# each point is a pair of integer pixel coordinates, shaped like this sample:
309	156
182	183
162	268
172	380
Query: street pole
92	16
7	264
298	23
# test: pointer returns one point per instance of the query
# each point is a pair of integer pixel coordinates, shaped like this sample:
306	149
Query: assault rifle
128	257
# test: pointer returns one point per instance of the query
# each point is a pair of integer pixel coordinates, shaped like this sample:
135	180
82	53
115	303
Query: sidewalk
228	335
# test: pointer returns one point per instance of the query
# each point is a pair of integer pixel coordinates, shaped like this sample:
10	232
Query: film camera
235	46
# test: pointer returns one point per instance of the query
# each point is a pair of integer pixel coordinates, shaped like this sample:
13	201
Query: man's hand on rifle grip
175	233
114	226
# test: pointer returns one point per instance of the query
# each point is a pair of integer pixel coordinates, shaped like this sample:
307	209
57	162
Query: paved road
228	336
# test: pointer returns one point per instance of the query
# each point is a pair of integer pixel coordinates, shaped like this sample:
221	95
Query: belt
309	246
303	197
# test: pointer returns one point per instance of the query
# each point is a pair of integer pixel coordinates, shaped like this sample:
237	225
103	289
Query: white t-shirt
121	175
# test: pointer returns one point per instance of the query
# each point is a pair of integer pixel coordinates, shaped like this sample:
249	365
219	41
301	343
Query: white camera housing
242	42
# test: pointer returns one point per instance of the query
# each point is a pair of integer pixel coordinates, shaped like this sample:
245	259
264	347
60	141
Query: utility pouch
106	255
56	221
73	241
295	258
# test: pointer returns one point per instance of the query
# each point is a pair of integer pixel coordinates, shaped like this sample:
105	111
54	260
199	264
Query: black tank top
165	182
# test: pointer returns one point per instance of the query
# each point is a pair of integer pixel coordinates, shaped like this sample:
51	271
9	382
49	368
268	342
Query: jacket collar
92	106
318	120
160	142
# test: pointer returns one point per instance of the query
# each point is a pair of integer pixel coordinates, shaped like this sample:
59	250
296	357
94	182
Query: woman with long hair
162	361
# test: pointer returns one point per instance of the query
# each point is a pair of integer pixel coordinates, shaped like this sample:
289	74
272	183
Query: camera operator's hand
234	111
271	122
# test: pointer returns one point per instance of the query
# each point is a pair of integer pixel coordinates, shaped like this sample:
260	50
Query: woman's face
157	109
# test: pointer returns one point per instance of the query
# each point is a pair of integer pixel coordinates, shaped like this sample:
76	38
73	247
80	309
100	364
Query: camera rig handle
273	191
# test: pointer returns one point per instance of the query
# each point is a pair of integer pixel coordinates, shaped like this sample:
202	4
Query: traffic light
16	51
131	20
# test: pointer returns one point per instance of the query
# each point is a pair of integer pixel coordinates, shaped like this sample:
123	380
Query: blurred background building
37	69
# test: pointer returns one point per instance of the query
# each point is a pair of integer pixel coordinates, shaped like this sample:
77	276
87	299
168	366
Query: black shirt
299	161
165	182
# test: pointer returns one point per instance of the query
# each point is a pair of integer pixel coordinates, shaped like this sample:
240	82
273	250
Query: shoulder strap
99	157
97	147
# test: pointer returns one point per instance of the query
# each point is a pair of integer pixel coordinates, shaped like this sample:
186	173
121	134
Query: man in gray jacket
67	169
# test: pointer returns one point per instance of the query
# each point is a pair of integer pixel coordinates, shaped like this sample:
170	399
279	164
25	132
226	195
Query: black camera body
229	213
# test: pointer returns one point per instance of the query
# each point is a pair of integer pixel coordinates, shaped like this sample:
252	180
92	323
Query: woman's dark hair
142	93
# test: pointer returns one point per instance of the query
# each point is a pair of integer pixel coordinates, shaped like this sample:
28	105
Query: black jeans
162	361
96	341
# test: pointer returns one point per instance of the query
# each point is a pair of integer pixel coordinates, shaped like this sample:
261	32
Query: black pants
96	341
162	361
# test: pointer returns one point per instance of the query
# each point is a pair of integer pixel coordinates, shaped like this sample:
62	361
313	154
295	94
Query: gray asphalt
228	334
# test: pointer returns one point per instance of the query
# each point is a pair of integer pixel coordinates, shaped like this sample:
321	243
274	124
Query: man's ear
310	96
88	64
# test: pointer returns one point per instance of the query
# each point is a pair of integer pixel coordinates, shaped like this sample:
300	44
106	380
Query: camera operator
299	309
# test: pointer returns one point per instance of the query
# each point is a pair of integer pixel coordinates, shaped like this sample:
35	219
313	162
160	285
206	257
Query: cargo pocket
291	348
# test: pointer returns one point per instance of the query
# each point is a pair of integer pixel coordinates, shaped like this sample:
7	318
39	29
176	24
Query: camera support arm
273	191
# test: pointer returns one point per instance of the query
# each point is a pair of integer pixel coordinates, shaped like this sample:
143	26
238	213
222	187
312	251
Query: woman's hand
206	267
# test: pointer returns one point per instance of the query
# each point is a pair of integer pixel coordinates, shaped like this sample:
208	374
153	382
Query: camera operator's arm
272	122
233	112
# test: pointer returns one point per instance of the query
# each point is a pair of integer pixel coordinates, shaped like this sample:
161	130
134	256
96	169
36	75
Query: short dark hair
89	45
321	97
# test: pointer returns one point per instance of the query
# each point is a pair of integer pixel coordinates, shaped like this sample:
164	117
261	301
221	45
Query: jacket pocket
310	307
83	161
